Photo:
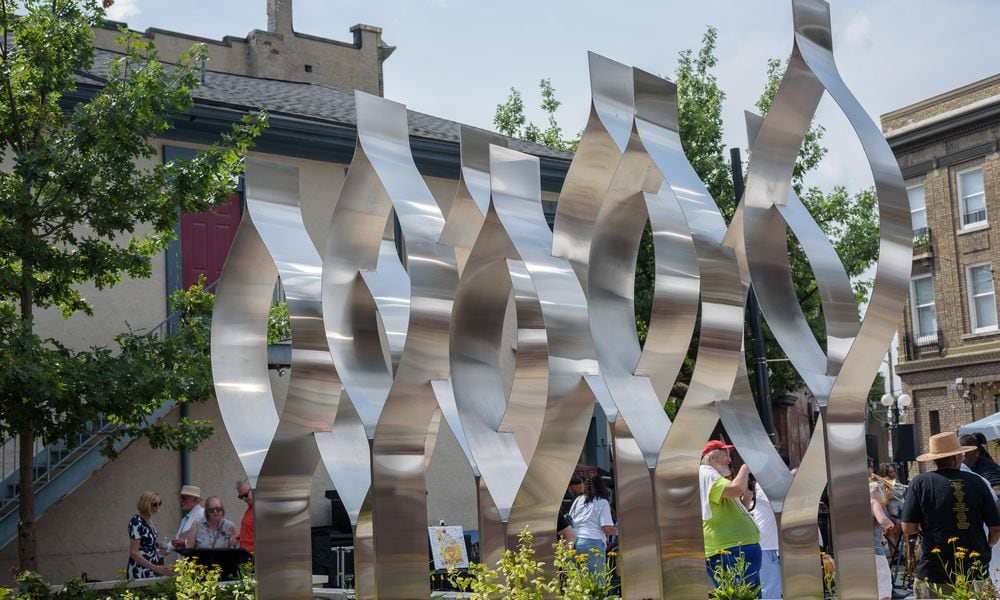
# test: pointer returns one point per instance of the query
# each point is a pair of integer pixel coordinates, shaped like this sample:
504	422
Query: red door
205	241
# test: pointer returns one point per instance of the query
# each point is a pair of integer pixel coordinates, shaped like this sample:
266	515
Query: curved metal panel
401	406
516	202
601	145
239	347
283	488
811	70
682	550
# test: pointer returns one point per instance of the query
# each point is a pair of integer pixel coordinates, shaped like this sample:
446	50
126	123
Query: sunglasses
244	495
157	504
214	509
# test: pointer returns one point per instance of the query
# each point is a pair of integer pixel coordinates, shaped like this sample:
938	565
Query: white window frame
973	316
961	199
921	336
923	210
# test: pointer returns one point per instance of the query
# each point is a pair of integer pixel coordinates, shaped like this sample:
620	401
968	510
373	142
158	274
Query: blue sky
458	59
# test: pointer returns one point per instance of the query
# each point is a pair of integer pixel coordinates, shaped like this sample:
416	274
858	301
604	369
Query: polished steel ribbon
640	380
841	377
396	403
570	363
272	241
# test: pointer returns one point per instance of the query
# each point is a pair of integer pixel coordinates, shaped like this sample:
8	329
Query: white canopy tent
988	426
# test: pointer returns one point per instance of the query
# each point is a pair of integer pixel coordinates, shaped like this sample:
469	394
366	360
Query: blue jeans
751	555
594	549
770	574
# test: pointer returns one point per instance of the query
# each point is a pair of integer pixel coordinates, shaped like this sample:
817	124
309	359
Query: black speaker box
904	443
871	446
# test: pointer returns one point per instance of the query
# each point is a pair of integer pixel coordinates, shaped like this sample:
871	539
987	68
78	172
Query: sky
458	59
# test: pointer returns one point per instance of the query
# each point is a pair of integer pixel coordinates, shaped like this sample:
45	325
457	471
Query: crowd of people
953	508
951	512
203	524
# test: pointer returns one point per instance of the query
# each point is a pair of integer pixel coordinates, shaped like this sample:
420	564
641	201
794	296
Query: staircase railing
52	460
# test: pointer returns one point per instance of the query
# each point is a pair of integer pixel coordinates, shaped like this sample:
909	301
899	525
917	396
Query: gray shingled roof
305	101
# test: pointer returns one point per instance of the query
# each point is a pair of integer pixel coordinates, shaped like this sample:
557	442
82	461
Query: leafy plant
245	587
732	582
84	204
196	582
31	586
76	589
968	577
520	577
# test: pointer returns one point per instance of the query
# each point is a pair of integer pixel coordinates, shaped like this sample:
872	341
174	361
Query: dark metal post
761	384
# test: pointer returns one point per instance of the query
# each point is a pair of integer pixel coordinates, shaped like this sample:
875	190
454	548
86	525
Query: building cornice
947	362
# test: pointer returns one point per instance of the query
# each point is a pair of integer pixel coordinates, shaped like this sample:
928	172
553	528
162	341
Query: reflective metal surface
395	403
273	236
840	379
489	324
569	355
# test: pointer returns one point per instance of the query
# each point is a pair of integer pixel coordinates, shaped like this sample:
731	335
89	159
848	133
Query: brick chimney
279	16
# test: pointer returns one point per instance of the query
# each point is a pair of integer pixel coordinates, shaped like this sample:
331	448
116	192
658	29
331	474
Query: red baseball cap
716	445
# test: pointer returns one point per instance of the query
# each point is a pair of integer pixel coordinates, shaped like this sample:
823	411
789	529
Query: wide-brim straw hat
944	445
190	490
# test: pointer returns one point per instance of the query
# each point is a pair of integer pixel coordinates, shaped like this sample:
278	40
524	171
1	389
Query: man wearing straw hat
949	508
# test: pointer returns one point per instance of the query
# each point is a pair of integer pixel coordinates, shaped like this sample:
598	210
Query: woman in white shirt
592	523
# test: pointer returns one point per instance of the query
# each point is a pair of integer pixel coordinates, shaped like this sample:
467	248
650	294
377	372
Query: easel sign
448	547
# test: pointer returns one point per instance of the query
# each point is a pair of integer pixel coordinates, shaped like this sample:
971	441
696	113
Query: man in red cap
729	530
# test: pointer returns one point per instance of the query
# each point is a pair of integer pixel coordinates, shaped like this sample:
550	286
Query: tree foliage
82	201
510	120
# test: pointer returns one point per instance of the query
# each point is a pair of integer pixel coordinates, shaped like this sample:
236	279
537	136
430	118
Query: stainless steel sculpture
509	334
841	377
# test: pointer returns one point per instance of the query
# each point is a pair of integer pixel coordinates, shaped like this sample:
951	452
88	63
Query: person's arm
880	516
993	536
135	555
912	528
736	487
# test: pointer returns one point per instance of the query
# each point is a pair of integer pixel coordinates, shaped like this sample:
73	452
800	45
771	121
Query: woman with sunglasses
214	531
144	557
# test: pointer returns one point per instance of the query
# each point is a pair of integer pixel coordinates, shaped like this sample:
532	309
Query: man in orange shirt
245	493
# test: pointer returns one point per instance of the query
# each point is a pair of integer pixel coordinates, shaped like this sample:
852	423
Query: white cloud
123	9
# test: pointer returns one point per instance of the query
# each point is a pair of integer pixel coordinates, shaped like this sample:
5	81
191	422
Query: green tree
510	120
71	199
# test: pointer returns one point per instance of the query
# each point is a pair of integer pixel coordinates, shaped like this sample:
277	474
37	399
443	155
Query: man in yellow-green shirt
729	530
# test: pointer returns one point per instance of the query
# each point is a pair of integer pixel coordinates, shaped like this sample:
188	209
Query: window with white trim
971	197
918	209
982	297
924	311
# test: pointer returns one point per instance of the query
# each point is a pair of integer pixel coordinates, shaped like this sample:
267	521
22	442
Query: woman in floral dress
145	559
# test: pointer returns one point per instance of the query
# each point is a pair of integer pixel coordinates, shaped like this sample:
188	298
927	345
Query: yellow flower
936	551
974	554
960	554
612	553
952	540
723	551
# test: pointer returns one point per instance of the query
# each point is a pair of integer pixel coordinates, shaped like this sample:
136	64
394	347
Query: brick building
949	350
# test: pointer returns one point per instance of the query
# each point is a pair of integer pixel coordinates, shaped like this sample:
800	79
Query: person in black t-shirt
980	461
949	504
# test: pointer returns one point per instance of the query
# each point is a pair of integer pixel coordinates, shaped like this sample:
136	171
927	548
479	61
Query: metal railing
48	461
922	241
917	347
